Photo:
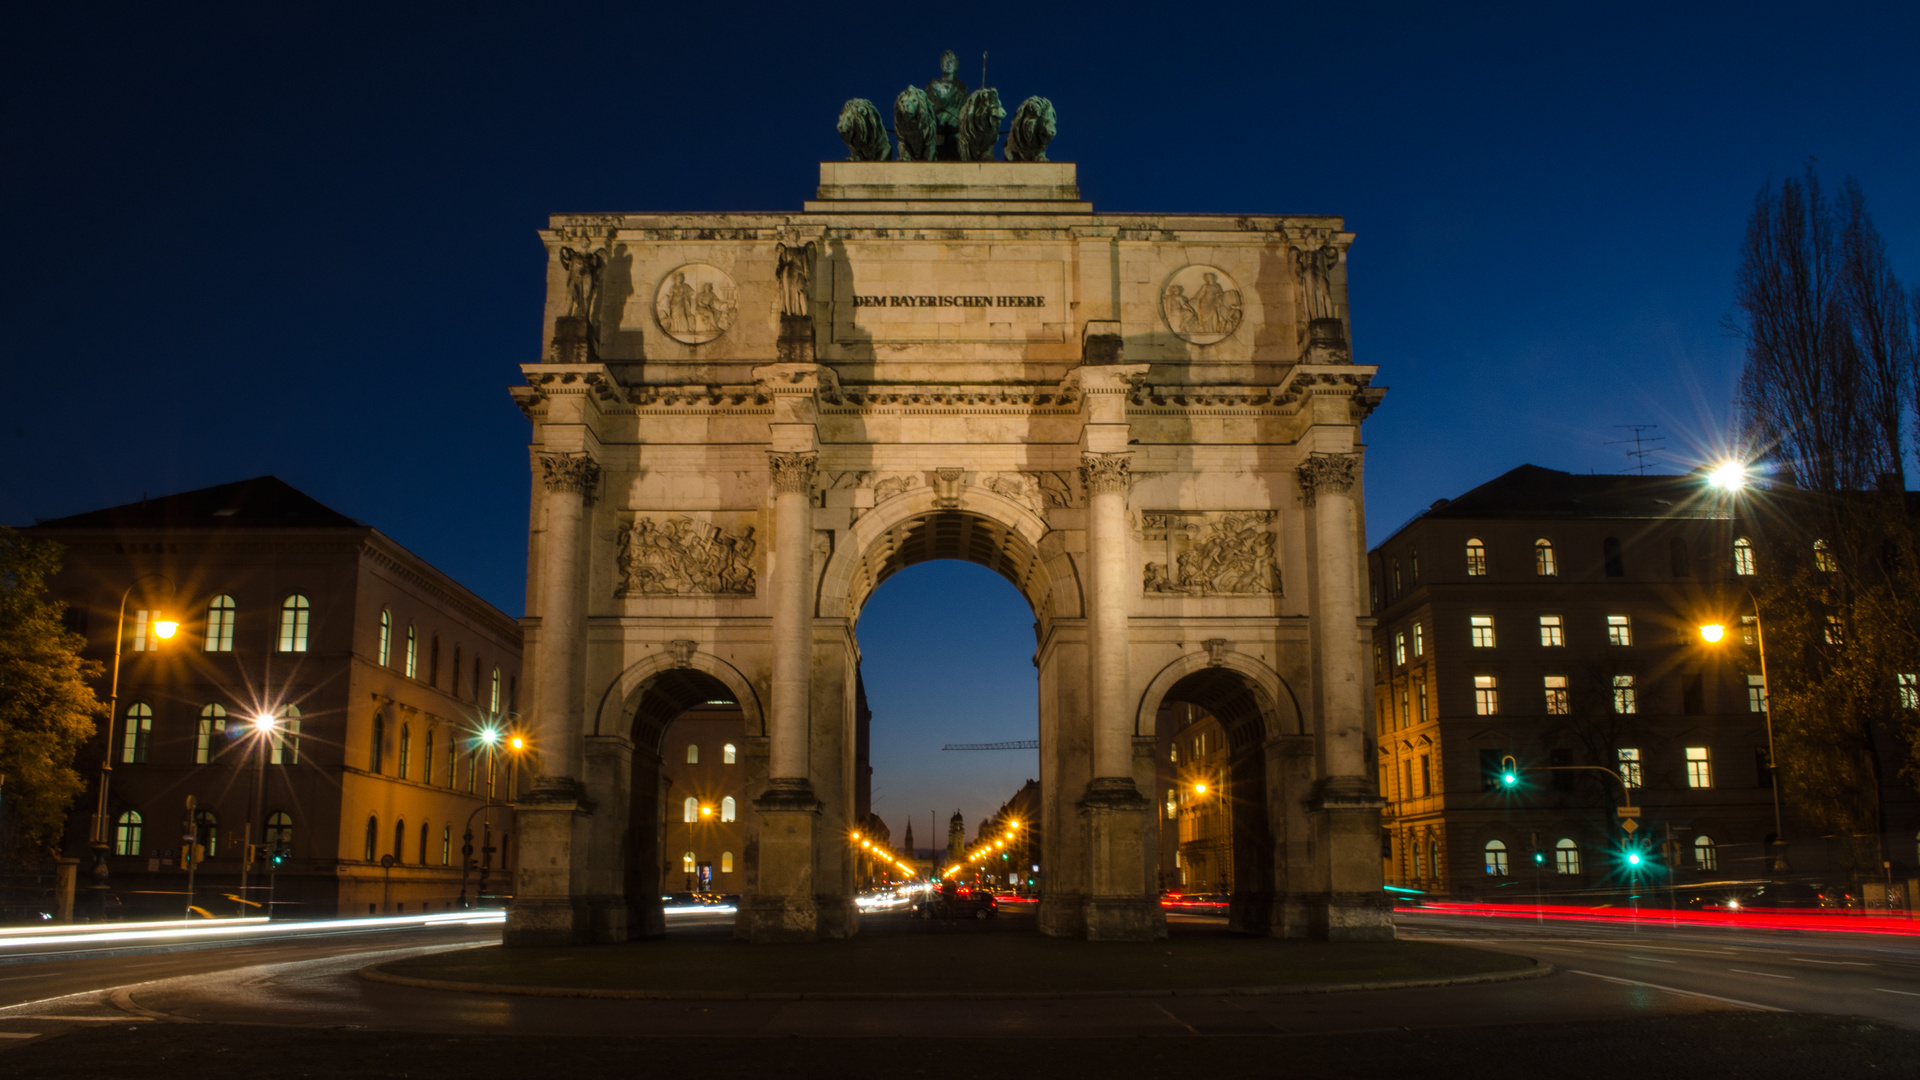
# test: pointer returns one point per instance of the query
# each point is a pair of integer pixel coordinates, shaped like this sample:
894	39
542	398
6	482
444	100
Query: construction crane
1017	744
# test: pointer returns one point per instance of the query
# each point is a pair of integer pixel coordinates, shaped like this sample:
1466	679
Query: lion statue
980	125
863	132
914	123
1033	128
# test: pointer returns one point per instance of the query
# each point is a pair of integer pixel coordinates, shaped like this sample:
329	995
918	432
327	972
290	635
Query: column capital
1335	473
792	471
1102	473
577	473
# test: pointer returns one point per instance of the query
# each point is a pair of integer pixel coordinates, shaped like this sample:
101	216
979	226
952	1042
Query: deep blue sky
258	239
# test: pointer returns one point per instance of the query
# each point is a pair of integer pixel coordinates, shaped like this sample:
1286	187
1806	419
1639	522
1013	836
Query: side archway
651	688
1247	696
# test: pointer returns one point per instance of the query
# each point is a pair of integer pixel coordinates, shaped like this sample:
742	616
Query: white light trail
216	928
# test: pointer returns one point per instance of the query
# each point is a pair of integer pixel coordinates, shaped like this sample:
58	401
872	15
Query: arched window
295	613
1743	557
473	767
727	809
1544	564
280	830
433	662
693	753
406	749
413	652
1823	558
1705	856
1173	805
726	862
399	839
446	846
686	863
377	751
126	834
1496	858
286	736
213	727
220	616
493	692
426	833
690	810
727	754
426	760
139	733
386	636
206	832
1566	857
373	838
1476	558
1680	564
453	759
1610	552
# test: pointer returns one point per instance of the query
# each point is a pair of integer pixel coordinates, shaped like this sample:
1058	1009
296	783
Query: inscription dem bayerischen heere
950	301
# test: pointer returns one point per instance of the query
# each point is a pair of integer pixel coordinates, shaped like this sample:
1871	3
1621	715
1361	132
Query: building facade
378	674
705	791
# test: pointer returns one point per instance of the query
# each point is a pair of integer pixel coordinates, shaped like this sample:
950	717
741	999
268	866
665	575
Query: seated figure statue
947	94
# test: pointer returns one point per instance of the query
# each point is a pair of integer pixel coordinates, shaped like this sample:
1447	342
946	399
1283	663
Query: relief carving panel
1210	553
679	556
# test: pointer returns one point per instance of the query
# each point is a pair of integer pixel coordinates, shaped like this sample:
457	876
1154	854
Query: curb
373	973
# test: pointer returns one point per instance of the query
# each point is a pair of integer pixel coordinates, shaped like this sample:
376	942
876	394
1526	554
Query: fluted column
792	581
571	482
1106	478
1326	483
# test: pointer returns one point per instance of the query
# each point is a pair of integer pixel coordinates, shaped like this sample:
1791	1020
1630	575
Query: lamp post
264	727
693	866
162	628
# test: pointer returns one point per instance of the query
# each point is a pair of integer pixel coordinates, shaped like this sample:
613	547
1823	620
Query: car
960	902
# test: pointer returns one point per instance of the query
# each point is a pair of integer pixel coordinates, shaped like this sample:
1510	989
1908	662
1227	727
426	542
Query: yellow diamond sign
1630	825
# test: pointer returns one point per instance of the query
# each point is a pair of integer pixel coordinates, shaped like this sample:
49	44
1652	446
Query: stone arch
651	684
1249	698
978	526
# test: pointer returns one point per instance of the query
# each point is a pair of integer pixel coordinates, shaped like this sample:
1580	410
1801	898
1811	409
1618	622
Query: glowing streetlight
1728	476
517	743
263	723
1711	633
164	628
489	735
1199	789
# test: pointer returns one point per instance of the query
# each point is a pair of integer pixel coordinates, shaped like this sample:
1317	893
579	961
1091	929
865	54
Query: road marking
1676	990
42	975
1835	963
1903	993
1762	974
1176	1019
1652	959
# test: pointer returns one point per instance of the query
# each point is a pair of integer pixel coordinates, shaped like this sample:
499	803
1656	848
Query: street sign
1629	825
1628	811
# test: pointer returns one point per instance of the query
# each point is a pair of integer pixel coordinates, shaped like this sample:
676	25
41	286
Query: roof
265	502
1531	492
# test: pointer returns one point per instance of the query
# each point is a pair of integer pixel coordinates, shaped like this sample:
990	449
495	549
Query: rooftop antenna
1644	445
983	69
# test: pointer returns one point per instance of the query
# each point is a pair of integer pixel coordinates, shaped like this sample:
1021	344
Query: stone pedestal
550	900
1119	905
1327	342
573	342
795	343
783	906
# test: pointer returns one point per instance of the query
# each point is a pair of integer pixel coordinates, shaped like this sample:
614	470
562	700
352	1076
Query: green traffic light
1633	858
1509	779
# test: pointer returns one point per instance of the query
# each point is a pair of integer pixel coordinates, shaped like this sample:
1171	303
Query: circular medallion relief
1201	304
694	303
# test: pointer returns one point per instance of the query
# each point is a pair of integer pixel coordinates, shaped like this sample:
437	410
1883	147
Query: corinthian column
1326	483
1106	478
792	582
571	480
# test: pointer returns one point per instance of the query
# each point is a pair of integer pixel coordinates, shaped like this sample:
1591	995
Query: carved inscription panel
1210	553
955	300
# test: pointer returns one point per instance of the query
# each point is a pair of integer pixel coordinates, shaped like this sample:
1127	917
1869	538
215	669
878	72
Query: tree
1827	400
47	705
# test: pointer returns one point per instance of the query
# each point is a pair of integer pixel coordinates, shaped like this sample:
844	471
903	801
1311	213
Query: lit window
286	737
686	863
1743	557
206	833
1496	858
726	862
1419	642
1481	627
1419	860
1629	758
1566	857
1756	694
406	749
139	734
1379	664
493	692
1400	648
140	619
1749	629
727	812
1836	632
446	845
1699	767
220	616
1173	805
1619	630
1823	558
1476	559
1544	564
728	754
1909	691
690	810
1552	633
386	636
413	651
1420	696
1557	702
693	753
371	847
126	834
294	615
213	725
1624	701
1705	856
1486	695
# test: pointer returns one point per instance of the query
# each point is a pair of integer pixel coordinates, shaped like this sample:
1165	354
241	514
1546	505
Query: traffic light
1509	773
1539	857
280	856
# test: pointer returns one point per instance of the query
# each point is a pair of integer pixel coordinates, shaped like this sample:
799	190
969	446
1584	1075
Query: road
1869	975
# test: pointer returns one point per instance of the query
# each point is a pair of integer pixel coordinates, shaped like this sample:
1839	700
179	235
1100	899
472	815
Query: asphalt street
1869	975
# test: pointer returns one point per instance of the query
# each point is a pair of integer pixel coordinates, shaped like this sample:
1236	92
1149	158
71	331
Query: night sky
256	239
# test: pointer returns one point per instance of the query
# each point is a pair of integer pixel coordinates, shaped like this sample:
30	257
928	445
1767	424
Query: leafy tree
47	706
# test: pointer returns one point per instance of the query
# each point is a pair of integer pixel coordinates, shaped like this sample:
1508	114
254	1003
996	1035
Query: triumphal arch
743	423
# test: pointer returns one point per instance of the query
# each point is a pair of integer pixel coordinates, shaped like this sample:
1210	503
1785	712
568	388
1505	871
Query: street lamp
162	628
1713	634
693	865
264	729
